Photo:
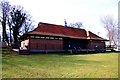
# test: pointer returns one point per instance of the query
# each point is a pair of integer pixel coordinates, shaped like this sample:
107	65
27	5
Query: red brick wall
46	44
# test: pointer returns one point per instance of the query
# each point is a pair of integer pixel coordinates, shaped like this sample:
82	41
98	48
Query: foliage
102	65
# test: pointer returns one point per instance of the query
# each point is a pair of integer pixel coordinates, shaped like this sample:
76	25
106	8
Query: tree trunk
15	37
4	30
10	37
3	34
7	40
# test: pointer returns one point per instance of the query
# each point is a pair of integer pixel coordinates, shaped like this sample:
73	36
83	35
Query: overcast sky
88	12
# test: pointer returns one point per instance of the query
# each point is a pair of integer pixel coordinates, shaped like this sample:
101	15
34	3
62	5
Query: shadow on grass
90	53
10	52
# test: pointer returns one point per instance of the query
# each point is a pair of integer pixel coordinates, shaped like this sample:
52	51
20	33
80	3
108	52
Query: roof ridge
49	24
57	25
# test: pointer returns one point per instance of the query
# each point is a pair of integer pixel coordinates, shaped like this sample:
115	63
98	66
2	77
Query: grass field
102	65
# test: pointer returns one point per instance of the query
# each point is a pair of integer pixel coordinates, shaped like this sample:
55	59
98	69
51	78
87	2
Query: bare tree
28	25
20	22
16	19
77	25
5	8
110	24
9	22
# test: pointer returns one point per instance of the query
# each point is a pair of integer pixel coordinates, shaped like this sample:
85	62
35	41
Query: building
51	37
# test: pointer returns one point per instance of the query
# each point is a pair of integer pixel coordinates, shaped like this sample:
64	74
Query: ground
59	65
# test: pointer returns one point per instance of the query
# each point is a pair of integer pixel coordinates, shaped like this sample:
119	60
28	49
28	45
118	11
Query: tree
110	24
9	22
5	8
21	22
18	19
77	24
27	26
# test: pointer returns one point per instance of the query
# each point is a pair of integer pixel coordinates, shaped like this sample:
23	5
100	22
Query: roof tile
59	30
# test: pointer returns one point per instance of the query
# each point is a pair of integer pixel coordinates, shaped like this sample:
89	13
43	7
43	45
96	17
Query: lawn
100	65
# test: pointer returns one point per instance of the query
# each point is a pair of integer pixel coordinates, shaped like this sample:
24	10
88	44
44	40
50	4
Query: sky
89	12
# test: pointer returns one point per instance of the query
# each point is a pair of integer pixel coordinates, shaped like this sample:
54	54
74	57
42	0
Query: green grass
102	65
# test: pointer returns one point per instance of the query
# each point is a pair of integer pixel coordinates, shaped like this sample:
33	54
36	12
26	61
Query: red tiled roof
59	30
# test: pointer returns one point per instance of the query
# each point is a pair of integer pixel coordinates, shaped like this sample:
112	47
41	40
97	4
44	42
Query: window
51	37
56	38
60	38
47	37
31	36
36	36
42	37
